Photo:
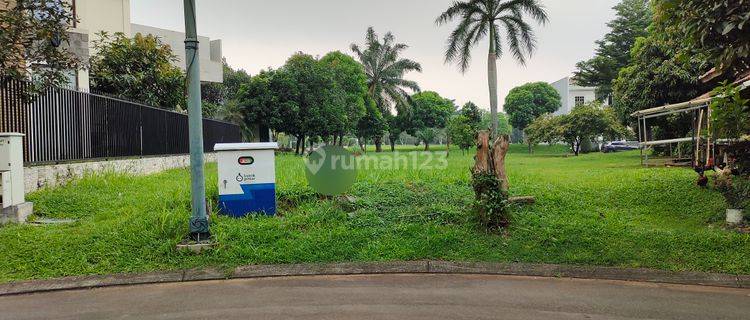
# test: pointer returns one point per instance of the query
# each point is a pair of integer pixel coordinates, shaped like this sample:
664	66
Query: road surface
387	297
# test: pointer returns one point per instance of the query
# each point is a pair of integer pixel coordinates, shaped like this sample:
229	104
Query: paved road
387	297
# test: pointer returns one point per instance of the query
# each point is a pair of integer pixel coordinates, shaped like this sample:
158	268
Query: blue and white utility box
247	178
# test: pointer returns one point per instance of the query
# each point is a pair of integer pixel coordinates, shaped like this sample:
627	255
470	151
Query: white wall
562	87
568	93
113	16
95	16
50	176
210	51
103	15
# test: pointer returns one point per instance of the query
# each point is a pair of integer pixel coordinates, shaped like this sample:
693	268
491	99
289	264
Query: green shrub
491	203
736	190
740	152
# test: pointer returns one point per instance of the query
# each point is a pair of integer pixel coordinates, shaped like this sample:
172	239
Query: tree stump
491	158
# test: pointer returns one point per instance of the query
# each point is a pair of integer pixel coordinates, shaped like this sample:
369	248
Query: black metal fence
63	125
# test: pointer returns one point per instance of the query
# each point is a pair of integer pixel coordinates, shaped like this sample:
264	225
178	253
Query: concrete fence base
49	176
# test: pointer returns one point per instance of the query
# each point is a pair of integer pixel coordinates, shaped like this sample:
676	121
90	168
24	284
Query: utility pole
199	220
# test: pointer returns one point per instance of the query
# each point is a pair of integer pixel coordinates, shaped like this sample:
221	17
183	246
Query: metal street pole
199	220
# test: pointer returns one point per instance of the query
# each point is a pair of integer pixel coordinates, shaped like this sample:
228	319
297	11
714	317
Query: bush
740	153
736	190
461	132
491	203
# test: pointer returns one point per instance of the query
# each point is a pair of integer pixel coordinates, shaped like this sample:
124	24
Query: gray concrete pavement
420	296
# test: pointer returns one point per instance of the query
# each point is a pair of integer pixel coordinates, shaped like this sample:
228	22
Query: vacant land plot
598	209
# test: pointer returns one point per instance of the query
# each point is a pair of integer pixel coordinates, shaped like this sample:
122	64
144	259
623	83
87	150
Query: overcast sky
258	34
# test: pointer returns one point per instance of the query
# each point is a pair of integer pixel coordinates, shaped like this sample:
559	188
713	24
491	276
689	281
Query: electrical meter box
8	150
247	178
11	171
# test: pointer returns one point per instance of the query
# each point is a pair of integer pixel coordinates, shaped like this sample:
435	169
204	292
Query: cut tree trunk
499	150
490	159
482	160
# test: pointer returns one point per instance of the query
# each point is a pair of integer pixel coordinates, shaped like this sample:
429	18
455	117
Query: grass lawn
597	209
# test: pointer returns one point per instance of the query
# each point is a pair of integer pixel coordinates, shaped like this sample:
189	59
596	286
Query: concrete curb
355	268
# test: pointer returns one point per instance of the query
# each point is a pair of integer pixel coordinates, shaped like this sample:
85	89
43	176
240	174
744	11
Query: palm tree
489	18
385	73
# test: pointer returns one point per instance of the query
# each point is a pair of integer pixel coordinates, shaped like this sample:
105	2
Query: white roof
246	146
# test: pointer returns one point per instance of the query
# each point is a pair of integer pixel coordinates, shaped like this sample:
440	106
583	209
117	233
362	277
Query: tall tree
138	68
350	77
584	123
613	51
371	126
33	41
663	70
429	113
397	124
385	71
529	101
262	100
492	18
472	113
317	96
462	132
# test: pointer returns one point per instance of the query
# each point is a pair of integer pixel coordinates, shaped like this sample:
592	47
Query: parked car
615	146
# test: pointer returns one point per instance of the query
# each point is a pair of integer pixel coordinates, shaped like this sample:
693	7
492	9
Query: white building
113	16
212	69
572	95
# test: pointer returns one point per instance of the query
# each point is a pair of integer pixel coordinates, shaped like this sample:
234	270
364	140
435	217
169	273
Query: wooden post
698	139
708	136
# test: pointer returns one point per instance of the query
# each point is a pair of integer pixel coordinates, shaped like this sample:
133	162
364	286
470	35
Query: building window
580	101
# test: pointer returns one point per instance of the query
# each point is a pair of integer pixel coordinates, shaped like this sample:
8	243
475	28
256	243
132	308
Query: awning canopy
697	103
672	108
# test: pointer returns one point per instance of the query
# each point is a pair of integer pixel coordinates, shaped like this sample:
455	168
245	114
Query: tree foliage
529	101
220	99
718	27
730	112
33	41
372	125
462	132
350	77
664	69
310	99
504	127
138	68
543	130
583	124
385	71
315	94
492	19
397	124
613	51
472	113
429	112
